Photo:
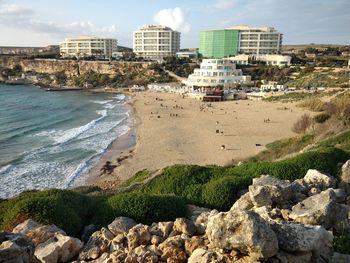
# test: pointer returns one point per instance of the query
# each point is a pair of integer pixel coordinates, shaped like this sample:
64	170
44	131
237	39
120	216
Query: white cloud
24	18
173	18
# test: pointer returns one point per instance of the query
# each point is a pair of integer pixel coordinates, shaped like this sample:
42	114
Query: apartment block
88	46
240	40
156	42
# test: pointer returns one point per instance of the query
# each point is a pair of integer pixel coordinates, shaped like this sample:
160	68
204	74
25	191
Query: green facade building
218	43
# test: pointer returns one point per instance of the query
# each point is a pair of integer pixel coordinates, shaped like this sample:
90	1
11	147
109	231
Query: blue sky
43	22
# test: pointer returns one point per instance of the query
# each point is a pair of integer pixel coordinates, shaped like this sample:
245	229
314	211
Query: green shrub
221	192
138	177
66	209
175	179
141	207
321	118
341	244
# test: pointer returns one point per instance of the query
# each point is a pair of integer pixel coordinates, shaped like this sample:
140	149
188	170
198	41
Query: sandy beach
171	130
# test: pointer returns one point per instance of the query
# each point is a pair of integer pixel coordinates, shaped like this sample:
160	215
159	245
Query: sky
46	22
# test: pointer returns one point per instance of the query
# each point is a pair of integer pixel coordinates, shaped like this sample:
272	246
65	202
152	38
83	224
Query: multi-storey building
156	42
88	46
240	39
215	73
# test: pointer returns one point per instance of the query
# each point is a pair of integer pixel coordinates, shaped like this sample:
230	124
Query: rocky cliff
74	67
275	221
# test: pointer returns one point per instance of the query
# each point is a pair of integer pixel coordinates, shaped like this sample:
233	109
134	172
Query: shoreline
121	148
168	129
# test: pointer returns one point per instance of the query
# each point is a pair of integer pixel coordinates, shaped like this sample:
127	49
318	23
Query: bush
217	187
302	124
321	118
313	104
341	244
141	207
66	209
221	192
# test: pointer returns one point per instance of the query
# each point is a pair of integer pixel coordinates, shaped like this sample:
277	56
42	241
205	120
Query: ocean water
50	139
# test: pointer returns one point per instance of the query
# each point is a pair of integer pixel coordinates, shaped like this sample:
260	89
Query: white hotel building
215	73
258	40
156	42
88	46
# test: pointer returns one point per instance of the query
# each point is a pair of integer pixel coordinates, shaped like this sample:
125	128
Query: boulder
302	238
269	191
95	247
340	258
121	225
196	211
345	172
60	248
244	231
201	255
172	249
162	229
319	209
14	248
295	257
193	243
202	221
36	232
138	235
314	178
185	226
243	203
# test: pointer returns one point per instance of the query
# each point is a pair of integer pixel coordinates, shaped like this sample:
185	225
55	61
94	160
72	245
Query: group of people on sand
267	120
107	168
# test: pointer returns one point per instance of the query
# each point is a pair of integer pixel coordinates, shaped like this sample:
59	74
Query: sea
51	139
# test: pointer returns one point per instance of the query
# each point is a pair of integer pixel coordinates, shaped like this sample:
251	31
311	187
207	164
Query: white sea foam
101	101
5	168
61	137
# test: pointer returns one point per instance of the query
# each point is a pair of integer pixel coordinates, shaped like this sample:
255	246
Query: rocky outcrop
243	231
273	221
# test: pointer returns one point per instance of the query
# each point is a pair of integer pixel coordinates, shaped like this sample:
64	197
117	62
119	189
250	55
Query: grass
281	148
139	177
217	187
341	141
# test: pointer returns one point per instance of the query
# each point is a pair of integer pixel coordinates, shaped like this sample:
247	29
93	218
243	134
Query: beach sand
193	136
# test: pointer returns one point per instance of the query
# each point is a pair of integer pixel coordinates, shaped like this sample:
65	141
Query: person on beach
107	168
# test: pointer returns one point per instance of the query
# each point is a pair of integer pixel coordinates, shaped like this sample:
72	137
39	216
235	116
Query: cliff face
75	68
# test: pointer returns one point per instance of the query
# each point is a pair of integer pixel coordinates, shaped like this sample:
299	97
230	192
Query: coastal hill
77	73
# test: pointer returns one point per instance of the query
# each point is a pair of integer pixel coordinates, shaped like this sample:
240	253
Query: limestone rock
319	180
162	229
243	203
194	243
303	238
202	221
15	249
340	258
196	211
95	247
345	172
138	235
185	226
36	232
60	248
295	257
269	191
244	231
320	209
121	225
201	255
